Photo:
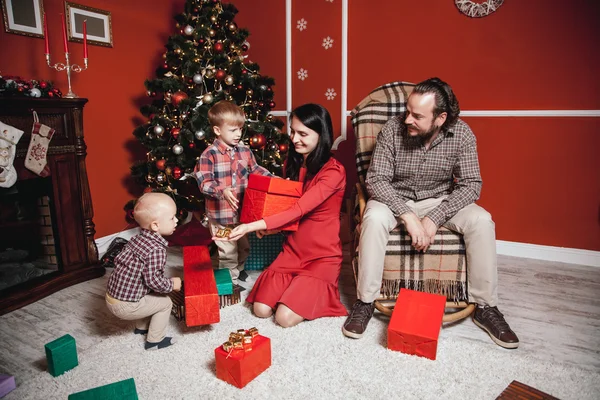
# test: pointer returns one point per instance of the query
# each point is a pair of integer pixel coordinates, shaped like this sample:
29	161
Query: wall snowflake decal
302	74
330	94
327	42
301	24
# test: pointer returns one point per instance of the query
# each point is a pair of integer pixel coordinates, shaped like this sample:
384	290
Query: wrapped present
61	355
263	251
122	390
415	324
223	280
200	293
7	384
178	309
266	196
243	357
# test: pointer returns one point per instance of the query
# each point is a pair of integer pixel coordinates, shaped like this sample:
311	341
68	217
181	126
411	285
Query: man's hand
231	198
414	226
430	229
264	232
176	283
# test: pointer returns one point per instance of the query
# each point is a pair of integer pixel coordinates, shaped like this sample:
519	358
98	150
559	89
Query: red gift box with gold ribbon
243	357
266	196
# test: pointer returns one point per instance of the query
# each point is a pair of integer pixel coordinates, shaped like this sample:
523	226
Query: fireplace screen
28	245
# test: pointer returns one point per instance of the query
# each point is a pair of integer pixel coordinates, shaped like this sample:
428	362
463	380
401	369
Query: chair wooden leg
386	307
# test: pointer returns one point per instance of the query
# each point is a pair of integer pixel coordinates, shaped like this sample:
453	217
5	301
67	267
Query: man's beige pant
473	222
151	312
231	255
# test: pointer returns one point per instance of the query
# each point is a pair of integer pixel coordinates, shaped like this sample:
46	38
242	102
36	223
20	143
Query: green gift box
224	283
122	390
61	355
263	251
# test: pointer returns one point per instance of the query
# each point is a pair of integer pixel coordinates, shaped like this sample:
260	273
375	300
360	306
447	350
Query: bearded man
424	173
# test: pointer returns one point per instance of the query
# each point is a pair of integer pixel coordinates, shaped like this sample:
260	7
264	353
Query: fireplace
46	228
27	234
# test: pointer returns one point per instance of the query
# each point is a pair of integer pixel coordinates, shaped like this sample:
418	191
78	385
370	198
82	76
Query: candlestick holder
68	67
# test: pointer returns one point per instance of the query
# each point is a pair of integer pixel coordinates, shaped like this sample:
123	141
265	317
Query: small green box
224	283
122	390
61	355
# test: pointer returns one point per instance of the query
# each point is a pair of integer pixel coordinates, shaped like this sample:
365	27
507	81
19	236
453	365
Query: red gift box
267	196
200	289
239	366
416	322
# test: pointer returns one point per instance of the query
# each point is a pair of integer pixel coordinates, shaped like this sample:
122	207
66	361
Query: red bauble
239	87
218	47
258	141
244	72
272	104
50	94
176	172
220	74
244	47
175	132
160	164
192	145
43	85
177	97
148	189
283	147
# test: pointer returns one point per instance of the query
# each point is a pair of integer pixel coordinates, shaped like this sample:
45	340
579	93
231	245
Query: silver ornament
188	30
197	79
159	130
200	134
35	92
177	149
160	177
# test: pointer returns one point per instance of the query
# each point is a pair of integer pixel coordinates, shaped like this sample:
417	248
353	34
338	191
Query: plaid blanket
442	269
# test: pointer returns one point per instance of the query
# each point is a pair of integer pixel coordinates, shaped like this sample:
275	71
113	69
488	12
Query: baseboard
103	242
514	249
549	253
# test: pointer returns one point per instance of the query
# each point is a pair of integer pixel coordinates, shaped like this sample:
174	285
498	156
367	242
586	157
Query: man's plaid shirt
221	167
140	268
399	173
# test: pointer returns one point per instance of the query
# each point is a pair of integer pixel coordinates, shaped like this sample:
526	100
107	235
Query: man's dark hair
445	100
317	118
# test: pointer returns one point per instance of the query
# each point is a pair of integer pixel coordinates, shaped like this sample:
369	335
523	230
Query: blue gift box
263	251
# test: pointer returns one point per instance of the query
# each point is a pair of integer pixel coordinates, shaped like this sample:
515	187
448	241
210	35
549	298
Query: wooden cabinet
66	188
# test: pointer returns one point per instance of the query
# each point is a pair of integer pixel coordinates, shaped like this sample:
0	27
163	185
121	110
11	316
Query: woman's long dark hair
317	118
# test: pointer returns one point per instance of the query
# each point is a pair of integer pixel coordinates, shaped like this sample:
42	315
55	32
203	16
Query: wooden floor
554	308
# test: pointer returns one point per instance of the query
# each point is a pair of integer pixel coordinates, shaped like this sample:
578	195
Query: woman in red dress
302	283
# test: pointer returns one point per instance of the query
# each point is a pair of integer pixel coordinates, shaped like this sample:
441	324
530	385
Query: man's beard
421	137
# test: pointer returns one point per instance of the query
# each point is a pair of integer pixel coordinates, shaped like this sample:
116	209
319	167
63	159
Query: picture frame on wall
23	17
98	24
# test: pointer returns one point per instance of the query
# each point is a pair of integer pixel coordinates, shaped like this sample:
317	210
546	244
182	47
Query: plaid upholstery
263	251
442	269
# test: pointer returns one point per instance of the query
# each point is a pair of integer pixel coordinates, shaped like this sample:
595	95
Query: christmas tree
203	63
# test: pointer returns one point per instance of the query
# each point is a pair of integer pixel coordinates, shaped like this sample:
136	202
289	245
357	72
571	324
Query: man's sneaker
491	320
359	318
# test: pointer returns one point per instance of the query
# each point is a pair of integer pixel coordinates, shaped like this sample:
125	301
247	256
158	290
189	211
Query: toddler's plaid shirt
221	167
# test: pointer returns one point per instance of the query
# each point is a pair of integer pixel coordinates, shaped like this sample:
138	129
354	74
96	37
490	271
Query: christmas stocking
9	137
35	160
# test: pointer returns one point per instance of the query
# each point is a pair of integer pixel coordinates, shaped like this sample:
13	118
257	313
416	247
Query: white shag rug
310	361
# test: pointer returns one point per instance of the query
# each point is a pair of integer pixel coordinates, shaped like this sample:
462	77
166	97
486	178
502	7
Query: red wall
541	175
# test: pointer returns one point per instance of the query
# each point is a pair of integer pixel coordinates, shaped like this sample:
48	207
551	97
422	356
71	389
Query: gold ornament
213	19
232	26
208	98
177	51
165	56
229	80
212	33
210	73
249	92
232	46
168	171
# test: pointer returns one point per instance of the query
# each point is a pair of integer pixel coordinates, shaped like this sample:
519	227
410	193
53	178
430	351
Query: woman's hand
243	229
264	232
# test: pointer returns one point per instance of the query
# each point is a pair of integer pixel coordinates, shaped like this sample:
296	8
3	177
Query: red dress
305	275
